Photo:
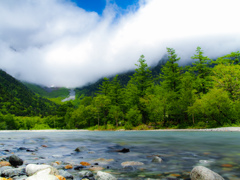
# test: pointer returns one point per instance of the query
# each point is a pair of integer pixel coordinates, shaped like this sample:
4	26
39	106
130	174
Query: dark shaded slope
17	99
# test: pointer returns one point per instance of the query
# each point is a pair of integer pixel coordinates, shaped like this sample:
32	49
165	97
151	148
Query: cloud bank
54	42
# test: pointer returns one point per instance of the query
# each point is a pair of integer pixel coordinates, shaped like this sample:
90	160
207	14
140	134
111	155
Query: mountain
17	99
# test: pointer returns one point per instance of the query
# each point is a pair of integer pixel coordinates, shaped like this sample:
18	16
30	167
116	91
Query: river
71	96
180	151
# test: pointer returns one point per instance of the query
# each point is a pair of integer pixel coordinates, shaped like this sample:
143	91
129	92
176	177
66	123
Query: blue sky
99	5
56	42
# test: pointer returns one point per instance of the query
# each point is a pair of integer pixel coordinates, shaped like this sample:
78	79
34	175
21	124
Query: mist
55	42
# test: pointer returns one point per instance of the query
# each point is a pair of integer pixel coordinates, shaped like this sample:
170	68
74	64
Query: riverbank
222	129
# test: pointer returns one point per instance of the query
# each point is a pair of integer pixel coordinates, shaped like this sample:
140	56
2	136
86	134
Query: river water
180	151
71	96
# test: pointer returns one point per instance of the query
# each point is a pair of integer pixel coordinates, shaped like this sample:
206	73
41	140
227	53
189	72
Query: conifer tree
202	71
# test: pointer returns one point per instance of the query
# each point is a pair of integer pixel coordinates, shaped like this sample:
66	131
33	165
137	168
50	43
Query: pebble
96	168
85	163
60	177
4	163
68	166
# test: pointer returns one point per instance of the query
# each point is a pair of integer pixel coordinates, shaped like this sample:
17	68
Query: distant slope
48	92
17	99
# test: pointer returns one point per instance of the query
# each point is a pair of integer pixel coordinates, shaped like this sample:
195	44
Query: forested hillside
17	99
203	95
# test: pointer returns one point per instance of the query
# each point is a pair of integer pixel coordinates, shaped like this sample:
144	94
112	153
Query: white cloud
55	42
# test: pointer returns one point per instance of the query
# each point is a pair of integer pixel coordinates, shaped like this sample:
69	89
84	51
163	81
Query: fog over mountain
55	42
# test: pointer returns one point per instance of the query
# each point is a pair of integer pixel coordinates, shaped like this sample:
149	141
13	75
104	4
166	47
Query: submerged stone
104	176
132	163
157	159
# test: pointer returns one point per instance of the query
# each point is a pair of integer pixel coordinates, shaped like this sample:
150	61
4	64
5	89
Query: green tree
226	76
115	112
171	72
232	58
101	103
104	87
115	92
202	71
142	80
170	81
142	76
187	96
213	106
78	117
134	116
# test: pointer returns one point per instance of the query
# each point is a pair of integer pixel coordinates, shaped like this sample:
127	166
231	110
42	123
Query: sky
72	43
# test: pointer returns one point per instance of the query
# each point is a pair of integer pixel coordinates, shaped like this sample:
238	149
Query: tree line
202	95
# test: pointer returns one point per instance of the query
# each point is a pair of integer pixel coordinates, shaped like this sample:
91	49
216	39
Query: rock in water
157	159
15	161
104	176
43	177
85	173
203	173
65	174
13	172
124	150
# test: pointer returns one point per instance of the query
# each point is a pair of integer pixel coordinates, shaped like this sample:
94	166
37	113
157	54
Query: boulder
15	161
32	169
203	173
65	174
13	172
104	176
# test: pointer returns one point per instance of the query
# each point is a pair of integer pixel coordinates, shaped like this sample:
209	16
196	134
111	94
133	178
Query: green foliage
202	71
134	116
215	105
40	127
128	126
171	71
227	77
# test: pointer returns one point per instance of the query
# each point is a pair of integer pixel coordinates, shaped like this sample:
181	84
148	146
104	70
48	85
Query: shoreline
221	129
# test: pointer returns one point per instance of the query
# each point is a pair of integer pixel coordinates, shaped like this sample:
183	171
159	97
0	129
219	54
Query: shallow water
180	151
